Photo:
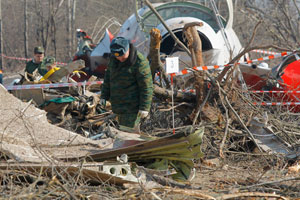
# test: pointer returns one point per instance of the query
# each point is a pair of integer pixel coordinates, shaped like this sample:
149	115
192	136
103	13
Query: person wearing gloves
127	84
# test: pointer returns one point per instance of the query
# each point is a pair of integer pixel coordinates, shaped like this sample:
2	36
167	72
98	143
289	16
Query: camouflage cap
48	61
119	46
38	50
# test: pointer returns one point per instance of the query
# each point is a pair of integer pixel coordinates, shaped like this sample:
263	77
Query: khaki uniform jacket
32	66
128	85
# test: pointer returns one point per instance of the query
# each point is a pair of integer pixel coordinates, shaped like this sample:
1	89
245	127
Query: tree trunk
69	28
25	29
154	54
73	24
42	27
156	65
1	39
52	25
195	46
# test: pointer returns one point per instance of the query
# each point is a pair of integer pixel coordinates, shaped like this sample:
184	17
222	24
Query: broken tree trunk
195	46
156	64
194	42
155	39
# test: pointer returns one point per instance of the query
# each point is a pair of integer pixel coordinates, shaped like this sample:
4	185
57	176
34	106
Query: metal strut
218	17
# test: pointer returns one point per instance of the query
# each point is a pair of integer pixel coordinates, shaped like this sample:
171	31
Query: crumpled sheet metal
178	150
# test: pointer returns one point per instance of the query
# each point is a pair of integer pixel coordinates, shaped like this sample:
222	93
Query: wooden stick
181	96
271	182
226	128
250	194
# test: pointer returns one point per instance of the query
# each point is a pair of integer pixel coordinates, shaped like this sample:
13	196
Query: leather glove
142	114
103	102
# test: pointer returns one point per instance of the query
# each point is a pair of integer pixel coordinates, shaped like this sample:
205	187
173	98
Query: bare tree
52	25
42	29
25	29
1	39
73	23
281	24
69	28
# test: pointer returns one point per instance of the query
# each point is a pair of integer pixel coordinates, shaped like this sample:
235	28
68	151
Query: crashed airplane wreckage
173	154
218	40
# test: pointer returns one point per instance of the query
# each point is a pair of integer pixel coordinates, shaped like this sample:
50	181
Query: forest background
53	23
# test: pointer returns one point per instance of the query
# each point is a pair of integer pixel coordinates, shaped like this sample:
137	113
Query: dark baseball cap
38	50
119	46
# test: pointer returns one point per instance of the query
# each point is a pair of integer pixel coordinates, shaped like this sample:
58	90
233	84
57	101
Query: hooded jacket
128	85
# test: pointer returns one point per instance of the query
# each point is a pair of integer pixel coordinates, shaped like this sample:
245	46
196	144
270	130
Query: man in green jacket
37	62
127	84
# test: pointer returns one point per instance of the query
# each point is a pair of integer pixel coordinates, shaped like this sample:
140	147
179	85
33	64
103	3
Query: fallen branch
251	194
242	123
271	182
226	128
173	107
246	50
202	105
236	58
56	181
167	94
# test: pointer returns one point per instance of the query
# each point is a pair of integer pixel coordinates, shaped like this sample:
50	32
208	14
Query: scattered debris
63	137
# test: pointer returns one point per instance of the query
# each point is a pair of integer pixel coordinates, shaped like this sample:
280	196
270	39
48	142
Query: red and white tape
276	103
274	91
51	85
264	52
199	68
26	59
188	91
268	57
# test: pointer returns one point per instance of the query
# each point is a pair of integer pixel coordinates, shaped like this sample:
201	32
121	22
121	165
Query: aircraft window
180	9
168	45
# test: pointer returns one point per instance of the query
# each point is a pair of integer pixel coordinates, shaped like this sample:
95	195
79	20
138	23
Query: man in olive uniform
127	84
37	62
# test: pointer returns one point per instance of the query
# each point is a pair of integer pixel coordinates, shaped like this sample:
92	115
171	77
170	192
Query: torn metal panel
177	151
270	142
93	172
180	144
